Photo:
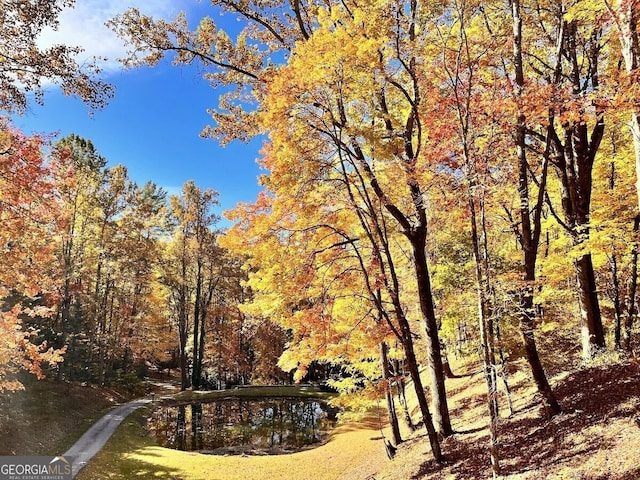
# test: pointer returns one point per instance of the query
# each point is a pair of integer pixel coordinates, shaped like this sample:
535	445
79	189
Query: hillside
596	437
47	416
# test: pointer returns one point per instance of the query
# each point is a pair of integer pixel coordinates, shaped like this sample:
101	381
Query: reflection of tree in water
196	427
282	424
180	441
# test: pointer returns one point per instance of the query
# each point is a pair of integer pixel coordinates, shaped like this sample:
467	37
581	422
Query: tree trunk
65	314
184	364
391	407
399	374
446	367
529	232
627	22
412	366
577	156
441	417
592	330
485	313
632	286
183	335
201	345
197	355
527	329
503	366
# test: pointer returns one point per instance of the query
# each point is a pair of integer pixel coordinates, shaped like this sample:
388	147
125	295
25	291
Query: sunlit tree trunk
196	373
391	407
373	223
485	307
529	233
573	160
183	319
436	372
412	366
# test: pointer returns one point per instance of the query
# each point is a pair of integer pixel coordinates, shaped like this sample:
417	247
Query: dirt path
94	439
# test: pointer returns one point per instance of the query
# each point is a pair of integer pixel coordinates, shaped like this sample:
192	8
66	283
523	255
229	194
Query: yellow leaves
207	33
585	12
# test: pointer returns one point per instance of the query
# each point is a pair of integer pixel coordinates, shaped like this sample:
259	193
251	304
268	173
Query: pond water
252	426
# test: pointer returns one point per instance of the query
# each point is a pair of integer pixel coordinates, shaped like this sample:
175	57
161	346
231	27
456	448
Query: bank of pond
249	421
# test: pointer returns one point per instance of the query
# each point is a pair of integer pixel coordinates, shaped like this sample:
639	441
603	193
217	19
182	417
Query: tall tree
341	268
571	63
28	212
459	57
196	277
85	173
140	325
625	14
111	202
529	229
320	87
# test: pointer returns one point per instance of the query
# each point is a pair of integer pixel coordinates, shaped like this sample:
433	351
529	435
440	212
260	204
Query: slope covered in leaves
596	437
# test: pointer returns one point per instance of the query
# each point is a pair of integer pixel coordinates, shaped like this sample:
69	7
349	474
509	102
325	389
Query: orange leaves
28	211
18	353
29	214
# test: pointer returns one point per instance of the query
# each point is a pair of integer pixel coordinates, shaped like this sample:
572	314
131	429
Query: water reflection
274	425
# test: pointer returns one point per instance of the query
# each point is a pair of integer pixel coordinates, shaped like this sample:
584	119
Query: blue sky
152	124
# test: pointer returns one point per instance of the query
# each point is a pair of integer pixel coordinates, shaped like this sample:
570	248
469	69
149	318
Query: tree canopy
26	68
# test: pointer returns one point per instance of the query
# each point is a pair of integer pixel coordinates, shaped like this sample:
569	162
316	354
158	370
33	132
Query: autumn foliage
30	213
427	164
453	178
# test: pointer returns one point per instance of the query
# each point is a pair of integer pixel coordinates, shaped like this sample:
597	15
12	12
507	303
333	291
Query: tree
575	131
529	229
325	37
140	326
28	212
192	272
340	295
110	309
25	67
459	57
625	16
85	171
231	337
613	237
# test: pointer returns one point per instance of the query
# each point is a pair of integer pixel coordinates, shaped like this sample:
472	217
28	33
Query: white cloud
83	26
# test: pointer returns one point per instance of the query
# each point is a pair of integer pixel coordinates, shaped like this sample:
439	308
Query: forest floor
596	437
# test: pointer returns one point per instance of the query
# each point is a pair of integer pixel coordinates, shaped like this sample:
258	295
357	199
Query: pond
243	425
